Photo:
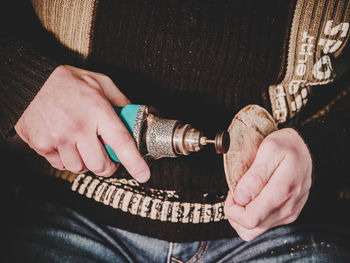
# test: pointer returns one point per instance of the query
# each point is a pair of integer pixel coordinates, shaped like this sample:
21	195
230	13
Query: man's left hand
274	189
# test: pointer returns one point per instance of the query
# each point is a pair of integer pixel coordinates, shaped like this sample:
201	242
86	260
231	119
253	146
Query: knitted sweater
195	61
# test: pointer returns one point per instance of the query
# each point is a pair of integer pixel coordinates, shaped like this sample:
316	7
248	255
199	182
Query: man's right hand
65	119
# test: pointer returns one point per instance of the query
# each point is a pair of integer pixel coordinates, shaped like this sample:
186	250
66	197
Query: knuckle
243	187
232	215
289	212
43	147
99	168
77	169
227	212
57	166
83	83
64	132
102	166
298	190
94	98
70	127
251	223
88	80
123	141
89	87
108	171
290	131
111	168
104	77
63	71
284	196
246	236
61	140
272	141
20	126
294	153
308	184
292	218
258	175
272	144
77	126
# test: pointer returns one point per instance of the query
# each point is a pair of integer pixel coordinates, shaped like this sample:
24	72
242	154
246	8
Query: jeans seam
177	260
194	256
204	252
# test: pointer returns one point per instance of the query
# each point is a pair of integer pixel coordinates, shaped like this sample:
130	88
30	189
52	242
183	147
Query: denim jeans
54	233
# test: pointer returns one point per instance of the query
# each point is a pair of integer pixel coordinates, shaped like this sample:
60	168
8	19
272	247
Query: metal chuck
187	139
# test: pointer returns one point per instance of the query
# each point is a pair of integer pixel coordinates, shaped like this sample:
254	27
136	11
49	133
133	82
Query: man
211	59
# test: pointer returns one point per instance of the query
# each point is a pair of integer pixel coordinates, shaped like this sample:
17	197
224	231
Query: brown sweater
196	61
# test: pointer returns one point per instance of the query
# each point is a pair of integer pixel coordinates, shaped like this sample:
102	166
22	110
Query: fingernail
142	177
241	197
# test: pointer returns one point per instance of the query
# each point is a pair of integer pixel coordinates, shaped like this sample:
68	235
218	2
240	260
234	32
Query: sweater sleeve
26	60
324	126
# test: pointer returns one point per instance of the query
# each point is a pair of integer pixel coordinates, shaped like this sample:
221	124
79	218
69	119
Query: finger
246	234
277	191
285	215
112	93
54	159
274	195
273	221
71	158
95	157
115	134
236	213
255	212
292	214
282	186
253	181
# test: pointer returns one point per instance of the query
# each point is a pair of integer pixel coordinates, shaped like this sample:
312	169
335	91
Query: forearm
23	71
25	62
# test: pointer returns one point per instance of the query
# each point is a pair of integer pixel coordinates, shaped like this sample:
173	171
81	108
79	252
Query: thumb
267	159
113	93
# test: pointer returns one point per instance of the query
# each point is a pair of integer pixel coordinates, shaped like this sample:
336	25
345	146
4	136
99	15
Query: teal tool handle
127	115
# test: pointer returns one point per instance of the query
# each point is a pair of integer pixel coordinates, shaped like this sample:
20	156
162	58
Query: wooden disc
247	130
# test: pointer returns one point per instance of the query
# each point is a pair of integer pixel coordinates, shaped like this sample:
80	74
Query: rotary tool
156	137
